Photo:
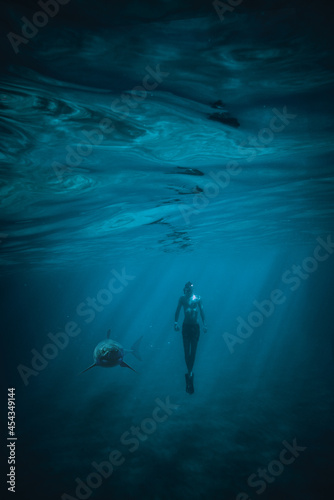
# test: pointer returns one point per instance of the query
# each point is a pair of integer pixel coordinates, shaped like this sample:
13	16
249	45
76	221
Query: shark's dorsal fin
108	333
125	365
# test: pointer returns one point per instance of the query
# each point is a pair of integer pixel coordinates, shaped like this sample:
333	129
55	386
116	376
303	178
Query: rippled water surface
95	163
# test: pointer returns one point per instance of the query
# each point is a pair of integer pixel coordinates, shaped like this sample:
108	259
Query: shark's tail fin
91	366
135	348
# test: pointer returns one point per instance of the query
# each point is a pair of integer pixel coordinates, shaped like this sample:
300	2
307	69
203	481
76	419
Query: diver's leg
193	346
186	346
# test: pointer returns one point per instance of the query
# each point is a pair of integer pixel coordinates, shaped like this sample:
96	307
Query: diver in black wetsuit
190	329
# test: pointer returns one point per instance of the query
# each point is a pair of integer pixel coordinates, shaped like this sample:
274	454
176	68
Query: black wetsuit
190	334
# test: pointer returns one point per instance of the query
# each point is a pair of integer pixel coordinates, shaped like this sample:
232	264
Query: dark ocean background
145	144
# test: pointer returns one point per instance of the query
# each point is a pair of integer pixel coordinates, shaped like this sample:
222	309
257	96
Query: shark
109	353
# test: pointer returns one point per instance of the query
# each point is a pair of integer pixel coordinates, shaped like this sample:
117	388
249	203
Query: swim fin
189	383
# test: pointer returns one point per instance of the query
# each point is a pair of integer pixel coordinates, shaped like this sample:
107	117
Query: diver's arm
201	310
177	312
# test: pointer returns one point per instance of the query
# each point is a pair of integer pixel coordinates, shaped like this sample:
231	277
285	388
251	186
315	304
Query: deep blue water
145	144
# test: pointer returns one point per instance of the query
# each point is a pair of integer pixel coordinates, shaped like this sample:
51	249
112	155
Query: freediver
190	328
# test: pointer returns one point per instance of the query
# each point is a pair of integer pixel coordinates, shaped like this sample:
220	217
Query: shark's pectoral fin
125	365
91	366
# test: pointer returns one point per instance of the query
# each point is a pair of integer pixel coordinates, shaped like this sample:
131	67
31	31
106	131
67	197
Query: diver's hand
176	327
